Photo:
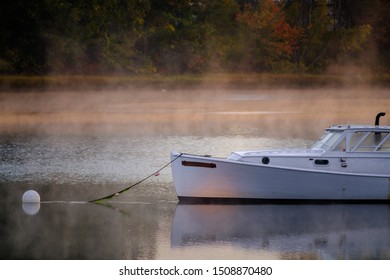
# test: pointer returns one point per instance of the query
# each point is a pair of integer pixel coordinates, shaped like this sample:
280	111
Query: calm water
78	146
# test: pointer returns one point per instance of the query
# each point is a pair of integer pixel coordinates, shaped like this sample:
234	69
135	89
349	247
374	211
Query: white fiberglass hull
199	177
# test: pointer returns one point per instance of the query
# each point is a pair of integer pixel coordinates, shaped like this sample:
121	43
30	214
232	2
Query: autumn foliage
269	37
186	36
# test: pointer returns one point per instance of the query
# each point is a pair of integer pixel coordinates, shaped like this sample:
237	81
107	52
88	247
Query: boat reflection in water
281	231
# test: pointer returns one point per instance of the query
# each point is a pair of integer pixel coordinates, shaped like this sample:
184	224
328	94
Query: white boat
349	162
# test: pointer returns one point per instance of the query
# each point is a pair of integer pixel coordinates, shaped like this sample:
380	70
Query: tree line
186	36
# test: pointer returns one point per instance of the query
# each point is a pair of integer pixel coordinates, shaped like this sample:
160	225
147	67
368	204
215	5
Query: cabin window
327	140
340	146
369	141
355	137
385	145
322	162
265	160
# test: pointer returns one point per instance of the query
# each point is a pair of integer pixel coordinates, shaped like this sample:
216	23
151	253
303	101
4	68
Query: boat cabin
354	139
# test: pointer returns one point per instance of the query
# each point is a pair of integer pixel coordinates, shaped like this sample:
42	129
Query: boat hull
200	177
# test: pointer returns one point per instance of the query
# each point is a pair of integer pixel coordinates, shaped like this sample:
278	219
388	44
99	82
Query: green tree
374	13
188	36
318	37
95	36
330	36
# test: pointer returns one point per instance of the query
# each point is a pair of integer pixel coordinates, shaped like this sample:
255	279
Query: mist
273	112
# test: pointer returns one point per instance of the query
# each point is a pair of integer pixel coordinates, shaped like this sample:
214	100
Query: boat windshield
327	140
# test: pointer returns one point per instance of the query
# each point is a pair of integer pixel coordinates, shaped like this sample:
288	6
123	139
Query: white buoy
31	196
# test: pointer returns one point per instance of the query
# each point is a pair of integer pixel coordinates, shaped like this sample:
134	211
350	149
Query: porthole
321	162
265	160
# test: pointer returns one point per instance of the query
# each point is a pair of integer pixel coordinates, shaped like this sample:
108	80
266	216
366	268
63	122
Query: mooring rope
139	182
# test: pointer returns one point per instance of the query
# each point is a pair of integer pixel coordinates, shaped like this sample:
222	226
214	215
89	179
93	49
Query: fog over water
74	146
188	111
